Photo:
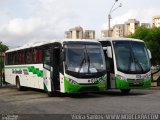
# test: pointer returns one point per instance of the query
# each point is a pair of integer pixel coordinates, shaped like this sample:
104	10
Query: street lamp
109	15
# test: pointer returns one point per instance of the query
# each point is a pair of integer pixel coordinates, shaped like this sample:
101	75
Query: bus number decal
15	71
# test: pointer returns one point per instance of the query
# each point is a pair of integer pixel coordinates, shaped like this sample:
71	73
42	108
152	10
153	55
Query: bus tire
52	94
18	85
125	91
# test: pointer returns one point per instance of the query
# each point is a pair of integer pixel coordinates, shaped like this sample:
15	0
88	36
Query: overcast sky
23	21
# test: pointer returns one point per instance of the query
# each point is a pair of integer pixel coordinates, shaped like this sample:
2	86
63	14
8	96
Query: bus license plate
136	82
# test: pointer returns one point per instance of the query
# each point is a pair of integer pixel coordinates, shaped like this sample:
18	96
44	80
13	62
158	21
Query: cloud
20	27
37	20
48	20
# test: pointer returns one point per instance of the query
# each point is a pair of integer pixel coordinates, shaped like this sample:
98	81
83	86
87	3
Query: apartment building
79	33
89	34
156	21
130	26
74	33
104	33
147	25
123	30
118	30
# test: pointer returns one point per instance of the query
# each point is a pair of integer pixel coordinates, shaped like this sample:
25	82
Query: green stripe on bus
36	71
45	87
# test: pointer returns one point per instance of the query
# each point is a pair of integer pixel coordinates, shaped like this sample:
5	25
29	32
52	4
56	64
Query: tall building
104	33
78	33
89	34
130	26
156	21
74	33
118	30
68	34
123	30
147	25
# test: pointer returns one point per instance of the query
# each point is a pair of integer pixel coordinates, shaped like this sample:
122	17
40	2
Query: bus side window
23	58
14	58
20	57
29	56
40	55
35	52
9	60
47	62
37	55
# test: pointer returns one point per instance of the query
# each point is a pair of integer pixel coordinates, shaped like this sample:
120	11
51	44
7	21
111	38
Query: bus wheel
52	94
18	85
125	91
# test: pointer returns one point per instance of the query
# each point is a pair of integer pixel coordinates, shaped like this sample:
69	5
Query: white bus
128	63
66	66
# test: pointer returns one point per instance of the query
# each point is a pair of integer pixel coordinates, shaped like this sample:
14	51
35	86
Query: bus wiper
136	61
88	60
83	60
80	67
89	63
130	61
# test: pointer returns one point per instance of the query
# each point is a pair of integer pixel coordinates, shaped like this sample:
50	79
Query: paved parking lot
37	102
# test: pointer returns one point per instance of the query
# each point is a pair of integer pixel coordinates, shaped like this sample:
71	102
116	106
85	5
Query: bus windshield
131	57
84	58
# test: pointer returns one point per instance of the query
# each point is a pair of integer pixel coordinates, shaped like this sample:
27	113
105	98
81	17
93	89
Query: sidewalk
155	88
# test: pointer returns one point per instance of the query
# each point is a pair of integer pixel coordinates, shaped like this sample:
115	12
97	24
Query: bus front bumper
84	88
131	84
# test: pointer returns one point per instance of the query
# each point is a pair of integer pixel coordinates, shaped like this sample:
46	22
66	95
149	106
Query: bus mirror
149	53
109	52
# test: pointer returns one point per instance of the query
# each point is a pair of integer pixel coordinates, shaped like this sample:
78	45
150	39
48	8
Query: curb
155	88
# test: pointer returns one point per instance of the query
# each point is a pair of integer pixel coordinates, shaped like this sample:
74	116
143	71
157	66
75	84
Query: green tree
3	47
140	33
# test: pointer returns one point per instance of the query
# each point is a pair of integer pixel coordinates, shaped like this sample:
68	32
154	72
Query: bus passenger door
109	63
55	66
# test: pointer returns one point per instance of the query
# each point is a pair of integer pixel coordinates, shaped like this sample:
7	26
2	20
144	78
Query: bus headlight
72	81
121	77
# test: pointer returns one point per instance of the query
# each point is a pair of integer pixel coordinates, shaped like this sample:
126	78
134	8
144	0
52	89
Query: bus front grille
135	82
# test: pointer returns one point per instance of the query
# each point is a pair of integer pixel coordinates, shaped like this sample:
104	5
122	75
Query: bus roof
36	44
119	38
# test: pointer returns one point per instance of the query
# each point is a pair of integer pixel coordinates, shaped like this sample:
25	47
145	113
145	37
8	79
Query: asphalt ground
36	103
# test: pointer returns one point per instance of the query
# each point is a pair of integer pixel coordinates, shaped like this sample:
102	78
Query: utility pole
109	16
